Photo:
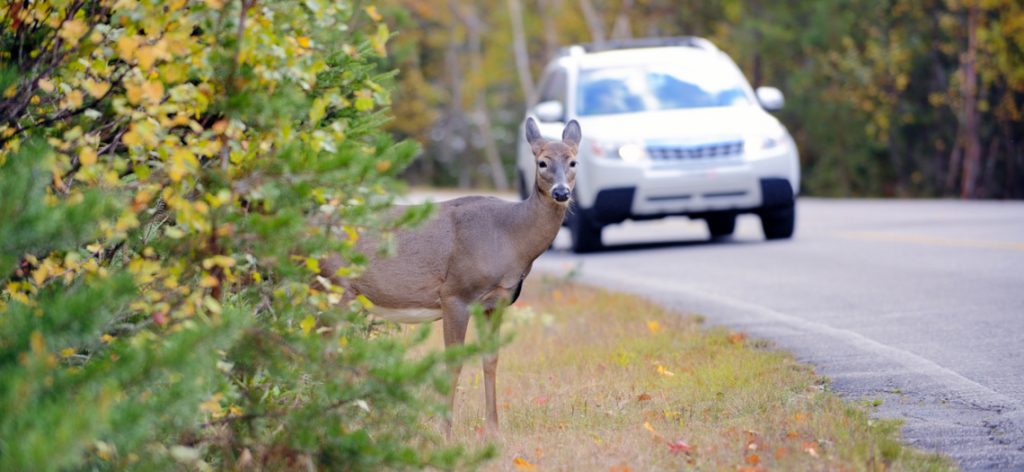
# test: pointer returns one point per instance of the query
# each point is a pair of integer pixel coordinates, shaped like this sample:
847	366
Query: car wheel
586	234
779	222
721	225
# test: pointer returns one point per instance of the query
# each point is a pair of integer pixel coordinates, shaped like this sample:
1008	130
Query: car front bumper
648	190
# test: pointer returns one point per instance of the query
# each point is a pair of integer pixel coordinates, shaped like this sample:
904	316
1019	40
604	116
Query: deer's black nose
560	194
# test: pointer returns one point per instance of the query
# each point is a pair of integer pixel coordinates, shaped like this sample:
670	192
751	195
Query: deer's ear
533	136
572	135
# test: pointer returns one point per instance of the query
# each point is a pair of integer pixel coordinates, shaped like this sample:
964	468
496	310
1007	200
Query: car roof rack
636	43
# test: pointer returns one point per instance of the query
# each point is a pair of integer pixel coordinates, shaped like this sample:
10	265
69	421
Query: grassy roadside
595	380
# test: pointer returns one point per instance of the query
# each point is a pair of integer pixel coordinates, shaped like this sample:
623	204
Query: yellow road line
931	240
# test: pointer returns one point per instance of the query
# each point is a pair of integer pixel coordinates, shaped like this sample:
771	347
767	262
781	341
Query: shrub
170	174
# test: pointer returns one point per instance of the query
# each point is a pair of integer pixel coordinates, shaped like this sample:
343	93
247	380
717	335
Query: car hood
680	126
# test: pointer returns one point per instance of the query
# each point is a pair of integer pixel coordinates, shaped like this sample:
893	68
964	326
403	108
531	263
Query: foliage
171	173
876	98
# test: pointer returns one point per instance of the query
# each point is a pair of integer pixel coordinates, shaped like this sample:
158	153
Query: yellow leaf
134	92
653	326
37	342
182	163
153	90
87	156
307	324
663	371
147	55
215	4
352	234
67	352
380	40
73	30
46	85
73	99
212	405
39	276
212	305
365	301
523	464
126	46
373	13
208	281
96	89
313	265
107	339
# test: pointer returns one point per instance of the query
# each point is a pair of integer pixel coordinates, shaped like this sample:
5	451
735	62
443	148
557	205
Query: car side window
553	88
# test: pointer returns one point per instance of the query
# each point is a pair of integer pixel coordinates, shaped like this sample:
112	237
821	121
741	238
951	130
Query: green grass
595	380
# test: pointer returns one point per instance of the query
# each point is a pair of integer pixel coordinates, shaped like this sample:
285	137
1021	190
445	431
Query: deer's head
556	160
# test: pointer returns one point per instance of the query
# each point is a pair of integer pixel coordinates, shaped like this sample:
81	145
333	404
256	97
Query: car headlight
628	152
756	146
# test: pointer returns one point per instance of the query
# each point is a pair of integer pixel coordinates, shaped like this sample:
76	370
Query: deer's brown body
473	250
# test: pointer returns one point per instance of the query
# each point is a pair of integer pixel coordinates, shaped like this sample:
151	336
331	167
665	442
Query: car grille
703	151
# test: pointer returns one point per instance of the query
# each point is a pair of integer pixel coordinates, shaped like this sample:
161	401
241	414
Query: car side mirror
549	111
771	98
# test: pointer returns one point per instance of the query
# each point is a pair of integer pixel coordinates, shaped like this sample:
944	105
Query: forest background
897	98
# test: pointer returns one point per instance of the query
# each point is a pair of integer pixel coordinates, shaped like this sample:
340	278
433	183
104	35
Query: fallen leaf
753	459
620	468
523	464
643	397
663	371
737	338
680	446
655	434
810	448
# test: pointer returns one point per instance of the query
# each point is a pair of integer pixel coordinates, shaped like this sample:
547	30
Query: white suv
670	127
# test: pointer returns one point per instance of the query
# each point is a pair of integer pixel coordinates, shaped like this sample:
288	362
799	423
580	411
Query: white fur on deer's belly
407	315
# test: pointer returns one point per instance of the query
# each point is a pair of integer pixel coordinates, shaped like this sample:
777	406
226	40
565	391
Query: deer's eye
542	164
572	163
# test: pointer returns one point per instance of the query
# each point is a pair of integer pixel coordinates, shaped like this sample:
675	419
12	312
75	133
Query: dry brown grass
595	381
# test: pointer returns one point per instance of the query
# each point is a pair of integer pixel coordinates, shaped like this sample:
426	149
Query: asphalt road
917	303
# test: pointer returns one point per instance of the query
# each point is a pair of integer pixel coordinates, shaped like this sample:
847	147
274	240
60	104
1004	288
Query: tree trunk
969	89
452	143
549	9
621	29
594	21
481	118
515	13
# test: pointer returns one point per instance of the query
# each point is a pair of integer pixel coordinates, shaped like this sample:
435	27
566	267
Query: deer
472	250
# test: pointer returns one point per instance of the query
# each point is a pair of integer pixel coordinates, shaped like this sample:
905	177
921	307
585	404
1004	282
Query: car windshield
649	87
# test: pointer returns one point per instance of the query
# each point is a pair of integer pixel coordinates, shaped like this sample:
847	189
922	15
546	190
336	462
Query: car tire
721	225
586	234
779	222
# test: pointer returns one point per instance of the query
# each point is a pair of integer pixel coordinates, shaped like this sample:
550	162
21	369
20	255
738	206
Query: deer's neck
538	219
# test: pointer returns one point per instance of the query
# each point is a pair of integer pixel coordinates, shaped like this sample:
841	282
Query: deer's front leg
490	362
455	319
